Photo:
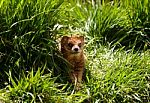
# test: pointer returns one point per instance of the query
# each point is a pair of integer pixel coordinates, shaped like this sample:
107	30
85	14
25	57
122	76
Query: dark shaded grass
27	36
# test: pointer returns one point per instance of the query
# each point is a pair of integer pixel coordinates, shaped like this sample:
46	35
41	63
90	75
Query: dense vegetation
117	37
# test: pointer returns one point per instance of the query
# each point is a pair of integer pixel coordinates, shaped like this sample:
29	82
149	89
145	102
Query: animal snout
76	49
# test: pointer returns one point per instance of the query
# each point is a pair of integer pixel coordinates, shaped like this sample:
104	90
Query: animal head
73	44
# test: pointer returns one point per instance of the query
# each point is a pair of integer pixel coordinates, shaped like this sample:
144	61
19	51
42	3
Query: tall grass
27	35
118	76
29	53
121	22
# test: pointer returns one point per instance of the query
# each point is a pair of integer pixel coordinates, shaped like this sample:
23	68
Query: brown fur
72	50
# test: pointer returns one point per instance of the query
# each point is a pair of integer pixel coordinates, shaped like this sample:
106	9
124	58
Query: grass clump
119	22
27	35
121	76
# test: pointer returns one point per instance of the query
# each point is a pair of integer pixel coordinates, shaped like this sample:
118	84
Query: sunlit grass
118	75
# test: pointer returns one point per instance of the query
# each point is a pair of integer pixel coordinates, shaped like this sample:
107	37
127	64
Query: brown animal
72	50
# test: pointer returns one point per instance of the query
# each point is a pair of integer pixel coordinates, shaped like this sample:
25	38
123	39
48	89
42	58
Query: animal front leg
73	77
79	79
79	76
76	78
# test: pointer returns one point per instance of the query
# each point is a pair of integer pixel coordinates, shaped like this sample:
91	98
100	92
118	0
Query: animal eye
79	44
70	45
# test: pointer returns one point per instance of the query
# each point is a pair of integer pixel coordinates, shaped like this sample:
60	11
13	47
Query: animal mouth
75	52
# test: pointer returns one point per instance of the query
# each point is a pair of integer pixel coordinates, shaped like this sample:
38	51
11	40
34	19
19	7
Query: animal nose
76	49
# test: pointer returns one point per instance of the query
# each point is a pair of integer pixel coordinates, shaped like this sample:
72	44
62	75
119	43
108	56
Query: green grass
27	35
117	50
118	76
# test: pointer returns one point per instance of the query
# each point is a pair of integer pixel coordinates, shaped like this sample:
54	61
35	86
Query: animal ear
64	39
81	38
